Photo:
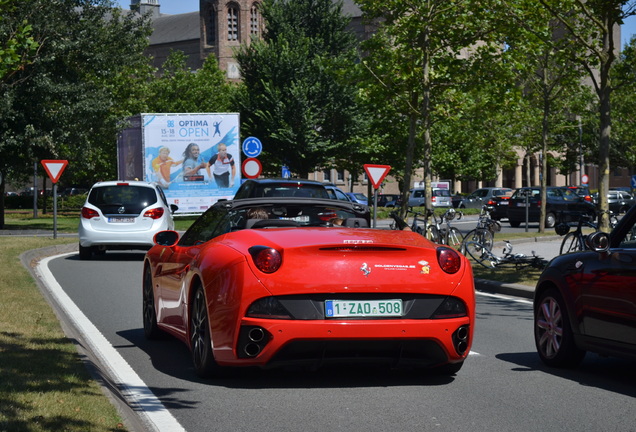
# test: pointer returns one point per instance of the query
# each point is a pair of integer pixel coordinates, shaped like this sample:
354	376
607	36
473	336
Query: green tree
421	52
591	24
62	105
181	90
297	95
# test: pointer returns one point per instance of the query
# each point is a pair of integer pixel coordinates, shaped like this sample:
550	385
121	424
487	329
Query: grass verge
45	385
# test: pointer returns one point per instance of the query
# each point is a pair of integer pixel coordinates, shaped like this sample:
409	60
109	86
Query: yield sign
376	173
54	168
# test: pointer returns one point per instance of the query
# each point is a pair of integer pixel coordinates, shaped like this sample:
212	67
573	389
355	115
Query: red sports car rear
309	294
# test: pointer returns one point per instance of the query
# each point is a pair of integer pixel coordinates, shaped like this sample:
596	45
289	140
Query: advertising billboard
196	158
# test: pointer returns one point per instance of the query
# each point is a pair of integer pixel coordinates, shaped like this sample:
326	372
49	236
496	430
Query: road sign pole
54	210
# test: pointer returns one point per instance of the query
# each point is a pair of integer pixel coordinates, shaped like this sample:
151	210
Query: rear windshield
290	190
133	198
441	192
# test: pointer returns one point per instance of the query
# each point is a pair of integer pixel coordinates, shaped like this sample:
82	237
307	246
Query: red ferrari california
304	282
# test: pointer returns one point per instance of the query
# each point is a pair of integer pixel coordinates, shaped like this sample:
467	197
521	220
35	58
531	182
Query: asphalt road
503	386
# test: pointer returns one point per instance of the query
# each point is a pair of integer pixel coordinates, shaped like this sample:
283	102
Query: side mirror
166	238
173	208
598	241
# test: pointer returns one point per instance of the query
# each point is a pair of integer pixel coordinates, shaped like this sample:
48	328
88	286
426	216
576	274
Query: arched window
233	23
255	20
210	31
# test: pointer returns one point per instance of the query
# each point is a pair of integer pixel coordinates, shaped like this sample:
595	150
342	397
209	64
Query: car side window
212	223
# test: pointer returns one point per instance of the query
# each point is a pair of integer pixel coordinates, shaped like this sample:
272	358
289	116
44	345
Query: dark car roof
279	201
266	187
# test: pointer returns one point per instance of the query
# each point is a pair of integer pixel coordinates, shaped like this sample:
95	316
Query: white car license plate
521	204
363	308
503	203
121	220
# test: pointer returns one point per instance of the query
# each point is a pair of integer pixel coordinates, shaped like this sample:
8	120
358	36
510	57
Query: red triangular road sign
376	173
54	168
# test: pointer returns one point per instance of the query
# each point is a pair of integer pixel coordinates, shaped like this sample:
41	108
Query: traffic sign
252	168
585	179
376	173
252	147
634	182
54	168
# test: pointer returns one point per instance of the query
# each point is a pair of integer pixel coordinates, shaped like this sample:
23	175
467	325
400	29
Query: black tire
200	340
85	253
481	236
149	311
550	220
478	253
454	238
553	335
571	243
514	223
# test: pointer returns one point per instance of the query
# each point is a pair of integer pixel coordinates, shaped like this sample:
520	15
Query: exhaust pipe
256	334
252	349
460	340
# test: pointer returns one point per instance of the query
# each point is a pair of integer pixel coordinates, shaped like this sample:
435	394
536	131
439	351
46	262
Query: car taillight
452	307
433	199
154	213
266	259
491	203
88	213
448	259
588	198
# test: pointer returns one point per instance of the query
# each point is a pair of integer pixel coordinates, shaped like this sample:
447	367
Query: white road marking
505	297
137	394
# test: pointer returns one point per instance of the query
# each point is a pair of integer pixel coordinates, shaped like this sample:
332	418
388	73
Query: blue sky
184	6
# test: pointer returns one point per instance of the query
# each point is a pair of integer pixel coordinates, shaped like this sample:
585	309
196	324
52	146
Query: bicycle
449	235
425	229
484	232
483	256
575	241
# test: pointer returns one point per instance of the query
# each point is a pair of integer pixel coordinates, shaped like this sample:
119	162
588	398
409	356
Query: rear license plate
503	203
363	308
521	205
121	220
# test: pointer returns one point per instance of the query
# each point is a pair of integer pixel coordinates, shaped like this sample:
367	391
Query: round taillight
154	213
449	260
88	213
266	259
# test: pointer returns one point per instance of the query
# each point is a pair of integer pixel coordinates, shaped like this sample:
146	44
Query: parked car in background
584	301
293	288
485	196
336	193
281	187
563	205
627	189
583	191
123	215
618	201
440	198
358	197
389	200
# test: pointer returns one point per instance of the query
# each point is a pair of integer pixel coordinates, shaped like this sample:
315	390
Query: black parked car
389	200
563	205
586	301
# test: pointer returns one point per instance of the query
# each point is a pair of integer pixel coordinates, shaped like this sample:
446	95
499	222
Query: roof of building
175	28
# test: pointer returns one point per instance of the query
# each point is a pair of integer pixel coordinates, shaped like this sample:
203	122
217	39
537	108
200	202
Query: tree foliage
61	105
297	96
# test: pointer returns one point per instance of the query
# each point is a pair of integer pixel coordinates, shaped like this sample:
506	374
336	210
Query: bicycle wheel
480	235
454	238
572	242
478	253
432	234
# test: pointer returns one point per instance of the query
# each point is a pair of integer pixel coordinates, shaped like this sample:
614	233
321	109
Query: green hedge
67	203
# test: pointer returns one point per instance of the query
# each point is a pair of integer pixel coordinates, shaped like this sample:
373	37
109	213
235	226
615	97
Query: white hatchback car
123	215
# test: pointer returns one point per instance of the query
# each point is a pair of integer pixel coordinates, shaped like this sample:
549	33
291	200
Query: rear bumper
421	343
